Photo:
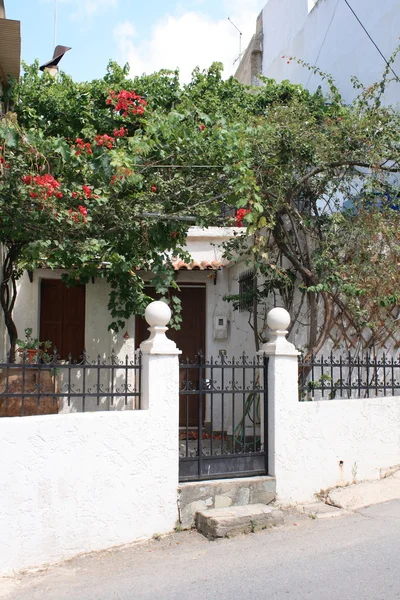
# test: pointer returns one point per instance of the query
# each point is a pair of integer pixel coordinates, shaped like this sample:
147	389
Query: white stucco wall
364	434
330	37
307	440
282	19
82	482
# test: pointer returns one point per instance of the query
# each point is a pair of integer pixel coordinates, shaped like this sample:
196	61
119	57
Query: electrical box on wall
220	328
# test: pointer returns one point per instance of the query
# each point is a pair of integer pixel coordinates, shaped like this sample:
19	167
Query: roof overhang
193	265
10	49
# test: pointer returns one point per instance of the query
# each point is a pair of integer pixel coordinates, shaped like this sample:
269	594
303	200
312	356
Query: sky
150	35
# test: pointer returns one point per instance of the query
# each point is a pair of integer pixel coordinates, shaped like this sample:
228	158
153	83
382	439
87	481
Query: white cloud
124	34
189	39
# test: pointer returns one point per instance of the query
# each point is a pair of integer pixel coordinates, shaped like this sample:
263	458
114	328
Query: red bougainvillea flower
113	179
87	191
153	188
121	132
82	147
104	140
43	187
202	127
78	215
126	102
240	215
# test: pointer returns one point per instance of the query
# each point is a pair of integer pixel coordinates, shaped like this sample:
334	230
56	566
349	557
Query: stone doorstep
227	522
198	496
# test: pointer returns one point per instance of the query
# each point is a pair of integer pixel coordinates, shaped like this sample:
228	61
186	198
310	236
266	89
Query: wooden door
62	317
190	338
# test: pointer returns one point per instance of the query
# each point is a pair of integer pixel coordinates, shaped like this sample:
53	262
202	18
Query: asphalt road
354	557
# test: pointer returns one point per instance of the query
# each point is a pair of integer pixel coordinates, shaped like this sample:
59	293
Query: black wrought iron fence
223	417
348	376
48	385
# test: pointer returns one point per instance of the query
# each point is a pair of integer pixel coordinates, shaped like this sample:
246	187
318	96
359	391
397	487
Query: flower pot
29	355
32	390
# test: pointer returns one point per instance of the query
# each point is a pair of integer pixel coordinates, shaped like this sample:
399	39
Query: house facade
330	34
77	318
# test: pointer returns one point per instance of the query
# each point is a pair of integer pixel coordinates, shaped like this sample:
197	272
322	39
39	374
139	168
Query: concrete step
227	522
196	496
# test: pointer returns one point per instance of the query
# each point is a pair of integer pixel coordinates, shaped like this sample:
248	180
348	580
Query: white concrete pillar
282	392
160	367
160	397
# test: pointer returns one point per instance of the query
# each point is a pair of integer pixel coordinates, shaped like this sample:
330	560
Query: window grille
246	290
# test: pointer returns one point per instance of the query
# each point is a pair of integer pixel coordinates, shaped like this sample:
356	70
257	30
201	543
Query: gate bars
223	403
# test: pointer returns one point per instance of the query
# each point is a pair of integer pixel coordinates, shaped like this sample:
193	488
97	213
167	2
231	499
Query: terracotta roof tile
204	265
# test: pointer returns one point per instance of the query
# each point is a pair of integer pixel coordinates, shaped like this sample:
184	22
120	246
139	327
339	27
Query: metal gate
225	406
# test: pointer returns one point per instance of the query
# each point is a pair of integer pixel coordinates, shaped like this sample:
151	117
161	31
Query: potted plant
32	384
31	349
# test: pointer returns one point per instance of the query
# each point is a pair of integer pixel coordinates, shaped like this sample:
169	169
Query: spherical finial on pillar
158	314
278	319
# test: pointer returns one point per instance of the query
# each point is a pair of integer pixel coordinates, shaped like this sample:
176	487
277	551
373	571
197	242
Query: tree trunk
8	296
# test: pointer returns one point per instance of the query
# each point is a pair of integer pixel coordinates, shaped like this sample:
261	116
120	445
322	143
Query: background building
334	35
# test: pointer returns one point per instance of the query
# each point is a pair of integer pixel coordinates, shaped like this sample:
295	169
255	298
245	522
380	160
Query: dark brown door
190	338
62	317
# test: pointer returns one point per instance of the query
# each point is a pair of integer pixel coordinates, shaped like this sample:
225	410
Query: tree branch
346	163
